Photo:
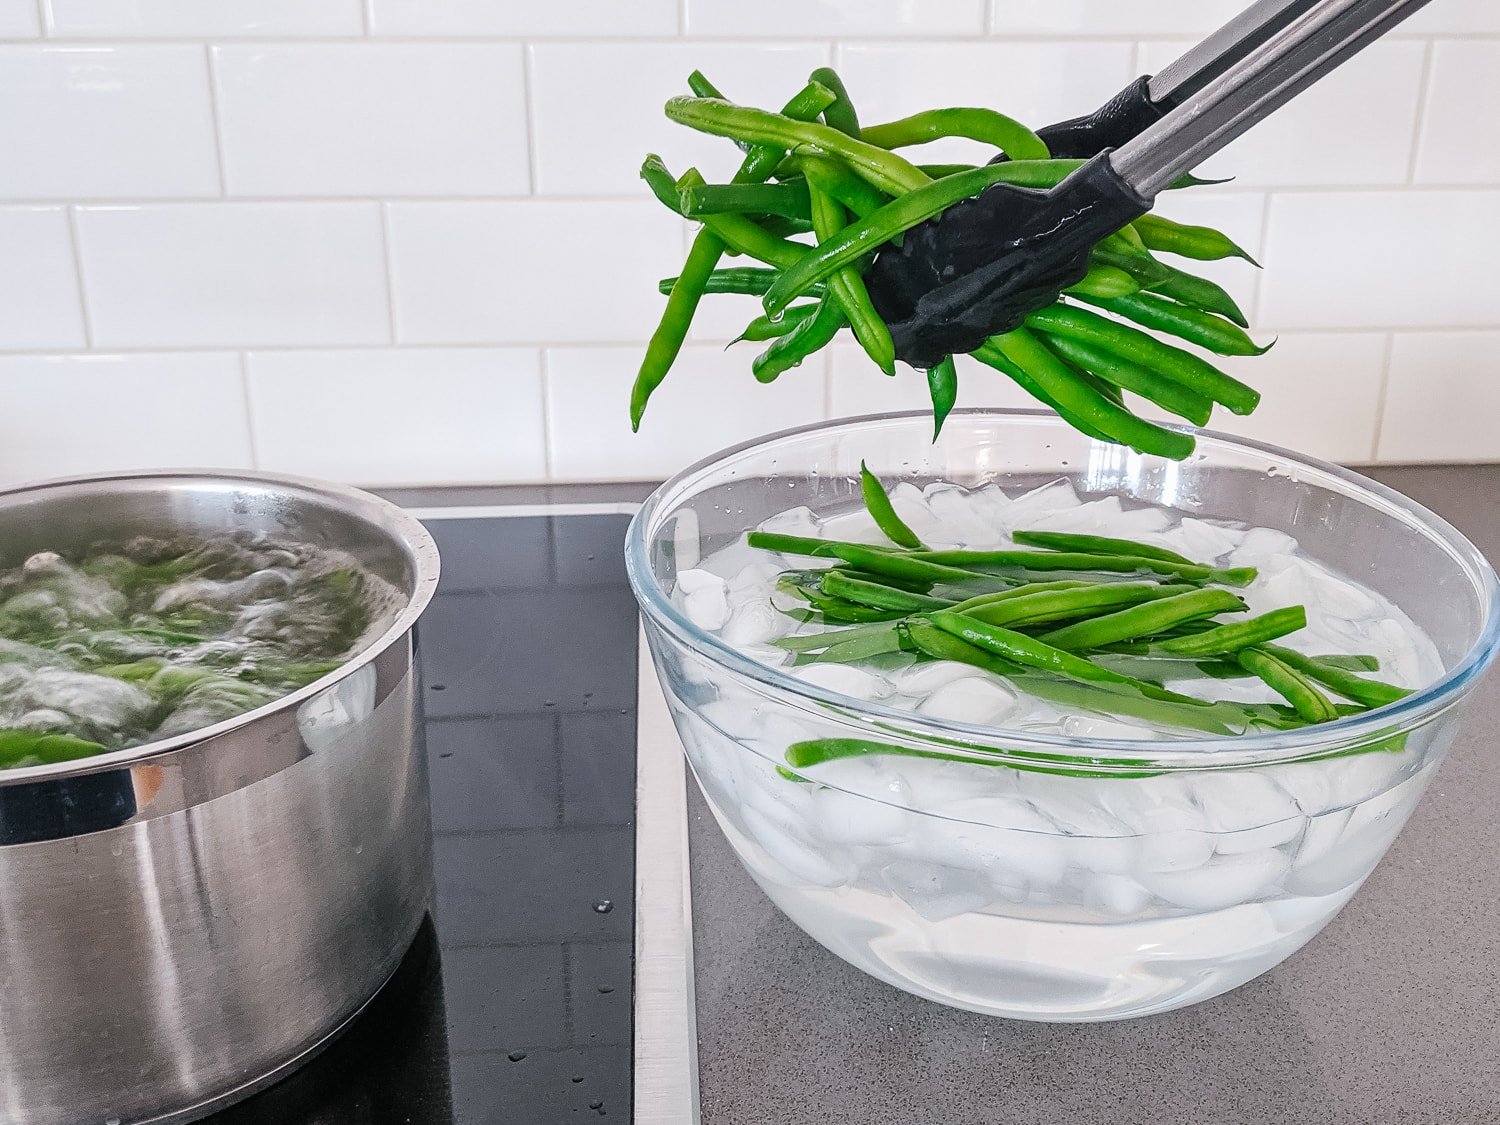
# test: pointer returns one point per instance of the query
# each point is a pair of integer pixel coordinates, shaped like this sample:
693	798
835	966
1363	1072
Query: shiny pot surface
182	921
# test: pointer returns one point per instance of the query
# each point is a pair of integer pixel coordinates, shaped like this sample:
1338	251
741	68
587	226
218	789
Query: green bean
807	642
1031	355
983	125
931	641
1136	346
764	328
994	357
798	544
839	113
1143	620
938	171
748	280
787	199
848	289
1169	281
842	584
699	84
1349	662
786	352
1304	696
1361	689
666	342
1021	649
901	565
883	512
20	748
1203	244
1022	591
1207	330
942	386
1074	560
744	235
662	183
862	647
1241	634
1097	545
1105	281
1060	605
874	230
833	608
834	178
1165	393
884	169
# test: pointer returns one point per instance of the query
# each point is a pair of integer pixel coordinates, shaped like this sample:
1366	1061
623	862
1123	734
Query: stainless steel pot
181	922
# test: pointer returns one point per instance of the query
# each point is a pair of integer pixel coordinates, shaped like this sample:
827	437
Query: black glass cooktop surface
514	1004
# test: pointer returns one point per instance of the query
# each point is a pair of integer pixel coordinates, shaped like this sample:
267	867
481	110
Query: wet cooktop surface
516	1006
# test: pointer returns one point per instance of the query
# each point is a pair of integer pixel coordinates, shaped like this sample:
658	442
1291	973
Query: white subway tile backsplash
512	17
598	107
1320	394
710	401
1381	259
1110	17
857	386
407	416
1443	398
39	305
530	271
90	122
167	19
372	118
100	413
1454	17
1459	127
1036	82
1355	126
843	18
18	19
209	274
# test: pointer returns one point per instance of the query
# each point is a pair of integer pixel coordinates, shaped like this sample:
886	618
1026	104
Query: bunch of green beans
818	193
1129	617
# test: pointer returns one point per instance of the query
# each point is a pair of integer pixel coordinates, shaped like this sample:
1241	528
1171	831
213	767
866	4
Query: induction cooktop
530	994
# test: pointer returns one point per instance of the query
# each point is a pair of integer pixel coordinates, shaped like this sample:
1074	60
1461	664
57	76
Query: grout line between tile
988	16
220	154
248	395
1419	125
41	20
1265	242
527	75
367	16
1381	395
544	372
388	260
76	244
682	17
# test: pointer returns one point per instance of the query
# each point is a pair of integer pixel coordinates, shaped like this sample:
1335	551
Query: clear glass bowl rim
1176	754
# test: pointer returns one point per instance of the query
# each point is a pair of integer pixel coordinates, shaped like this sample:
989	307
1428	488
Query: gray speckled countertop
1390	1015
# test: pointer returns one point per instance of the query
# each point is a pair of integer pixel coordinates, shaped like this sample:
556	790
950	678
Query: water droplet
111	1121
439	687
596	1104
117	849
603	906
446	754
516	1056
577	1078
549	703
606	989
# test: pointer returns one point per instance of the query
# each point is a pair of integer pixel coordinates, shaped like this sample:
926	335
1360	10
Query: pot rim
389	518
1126	755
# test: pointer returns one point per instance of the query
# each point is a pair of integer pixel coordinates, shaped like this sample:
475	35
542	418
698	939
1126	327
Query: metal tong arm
1207	60
1266	78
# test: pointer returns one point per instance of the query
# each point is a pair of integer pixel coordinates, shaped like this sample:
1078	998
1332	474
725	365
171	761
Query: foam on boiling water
151	638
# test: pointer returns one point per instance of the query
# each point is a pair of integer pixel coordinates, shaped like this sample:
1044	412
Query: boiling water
143	640
1033	894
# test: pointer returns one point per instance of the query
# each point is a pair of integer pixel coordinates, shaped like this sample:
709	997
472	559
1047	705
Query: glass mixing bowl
1055	876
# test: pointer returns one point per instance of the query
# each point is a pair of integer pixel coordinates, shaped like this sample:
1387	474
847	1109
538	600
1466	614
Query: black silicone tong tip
981	266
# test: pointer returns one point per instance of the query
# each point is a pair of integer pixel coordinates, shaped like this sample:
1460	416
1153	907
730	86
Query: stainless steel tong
983	265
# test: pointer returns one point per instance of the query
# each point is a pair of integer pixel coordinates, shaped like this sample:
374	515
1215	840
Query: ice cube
844	818
923	679
965	521
1369	831
854	526
1224	881
1036	509
705	598
792	862
1322	834
937	893
912	507
754	623
1116	895
1092	517
970	700
1203	540
793	521
854	682
1261	545
1004	837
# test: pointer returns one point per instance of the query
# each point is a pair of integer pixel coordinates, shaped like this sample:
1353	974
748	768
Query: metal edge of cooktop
665	1039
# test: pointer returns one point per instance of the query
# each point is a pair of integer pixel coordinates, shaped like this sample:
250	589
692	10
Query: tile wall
404	242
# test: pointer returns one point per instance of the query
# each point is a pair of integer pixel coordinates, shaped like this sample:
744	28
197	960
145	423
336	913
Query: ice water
1037	894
